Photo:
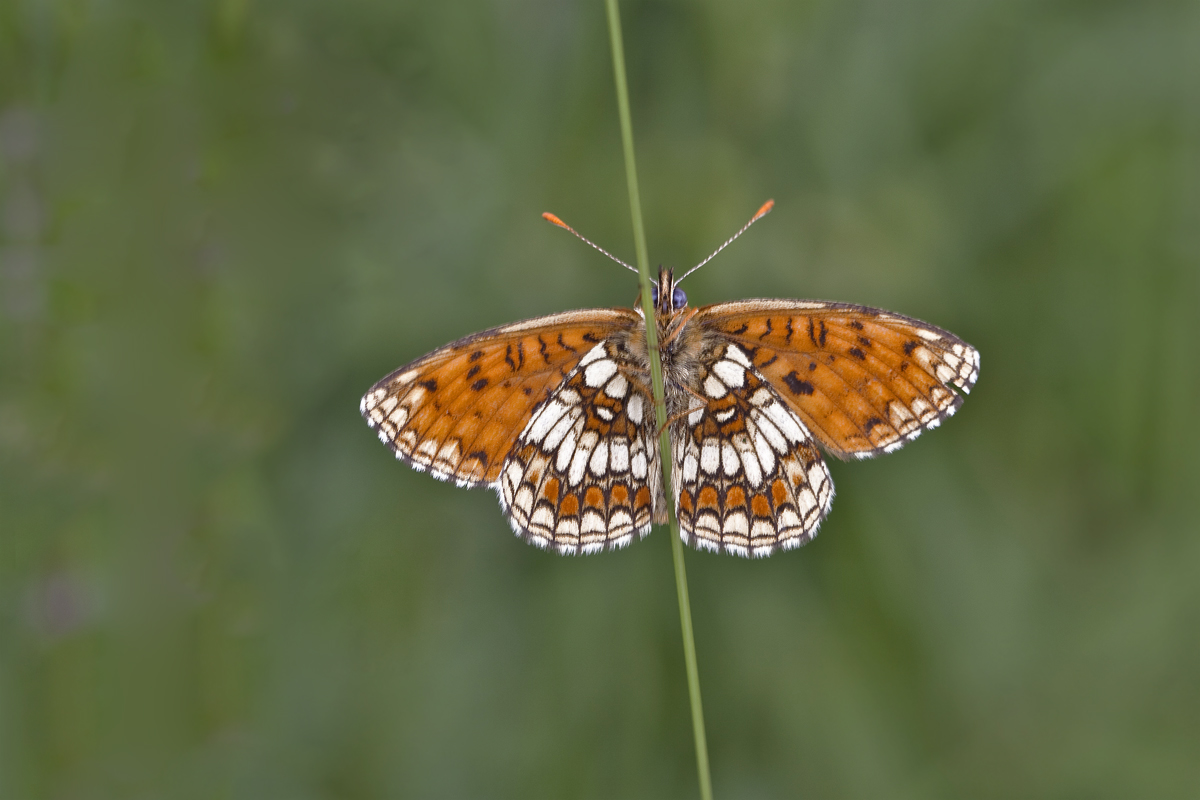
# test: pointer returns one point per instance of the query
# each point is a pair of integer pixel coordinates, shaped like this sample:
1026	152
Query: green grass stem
660	410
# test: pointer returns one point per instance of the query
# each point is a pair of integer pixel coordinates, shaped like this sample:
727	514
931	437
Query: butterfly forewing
584	474
748	476
864	381
458	410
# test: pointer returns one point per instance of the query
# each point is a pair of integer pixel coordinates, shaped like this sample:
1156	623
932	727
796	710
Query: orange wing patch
864	381
458	410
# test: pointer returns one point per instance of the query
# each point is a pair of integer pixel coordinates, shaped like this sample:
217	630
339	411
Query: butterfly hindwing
584	473
864	381
458	410
749	478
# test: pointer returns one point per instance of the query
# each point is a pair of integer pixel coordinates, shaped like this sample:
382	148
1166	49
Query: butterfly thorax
682	344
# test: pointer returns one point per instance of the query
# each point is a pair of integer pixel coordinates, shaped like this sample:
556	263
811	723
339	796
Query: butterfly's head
665	295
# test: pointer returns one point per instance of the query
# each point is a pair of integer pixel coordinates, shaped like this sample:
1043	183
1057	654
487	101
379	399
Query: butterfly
556	413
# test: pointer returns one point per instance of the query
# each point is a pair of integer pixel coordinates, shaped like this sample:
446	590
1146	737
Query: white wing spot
736	353
689	466
617	388
762	529
578	464
638	465
542	517
750	463
770	432
599	463
816	474
559	432
449	452
805	501
761	397
595	353
415	396
598	373
737	523
714	388
591	523
731	374
619	460
579	458
786	421
707	522
633	409
370	400
551	413
710	456
729	459
565	451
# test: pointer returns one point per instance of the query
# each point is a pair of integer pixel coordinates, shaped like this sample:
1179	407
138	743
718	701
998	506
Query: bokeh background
222	221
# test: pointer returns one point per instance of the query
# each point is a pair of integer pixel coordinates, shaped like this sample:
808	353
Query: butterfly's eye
654	295
678	298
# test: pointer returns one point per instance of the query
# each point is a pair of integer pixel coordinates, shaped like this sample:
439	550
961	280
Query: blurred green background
220	222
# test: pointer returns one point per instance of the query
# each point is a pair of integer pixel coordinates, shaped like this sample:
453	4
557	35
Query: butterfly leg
636	378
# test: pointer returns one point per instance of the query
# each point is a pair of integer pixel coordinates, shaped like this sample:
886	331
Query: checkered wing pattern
749	478
862	380
458	410
584	474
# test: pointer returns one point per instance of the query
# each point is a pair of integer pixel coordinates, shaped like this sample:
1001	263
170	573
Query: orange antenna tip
546	215
762	211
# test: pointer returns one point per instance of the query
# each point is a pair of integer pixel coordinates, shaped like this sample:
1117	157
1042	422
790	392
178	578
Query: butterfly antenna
555	220
762	212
